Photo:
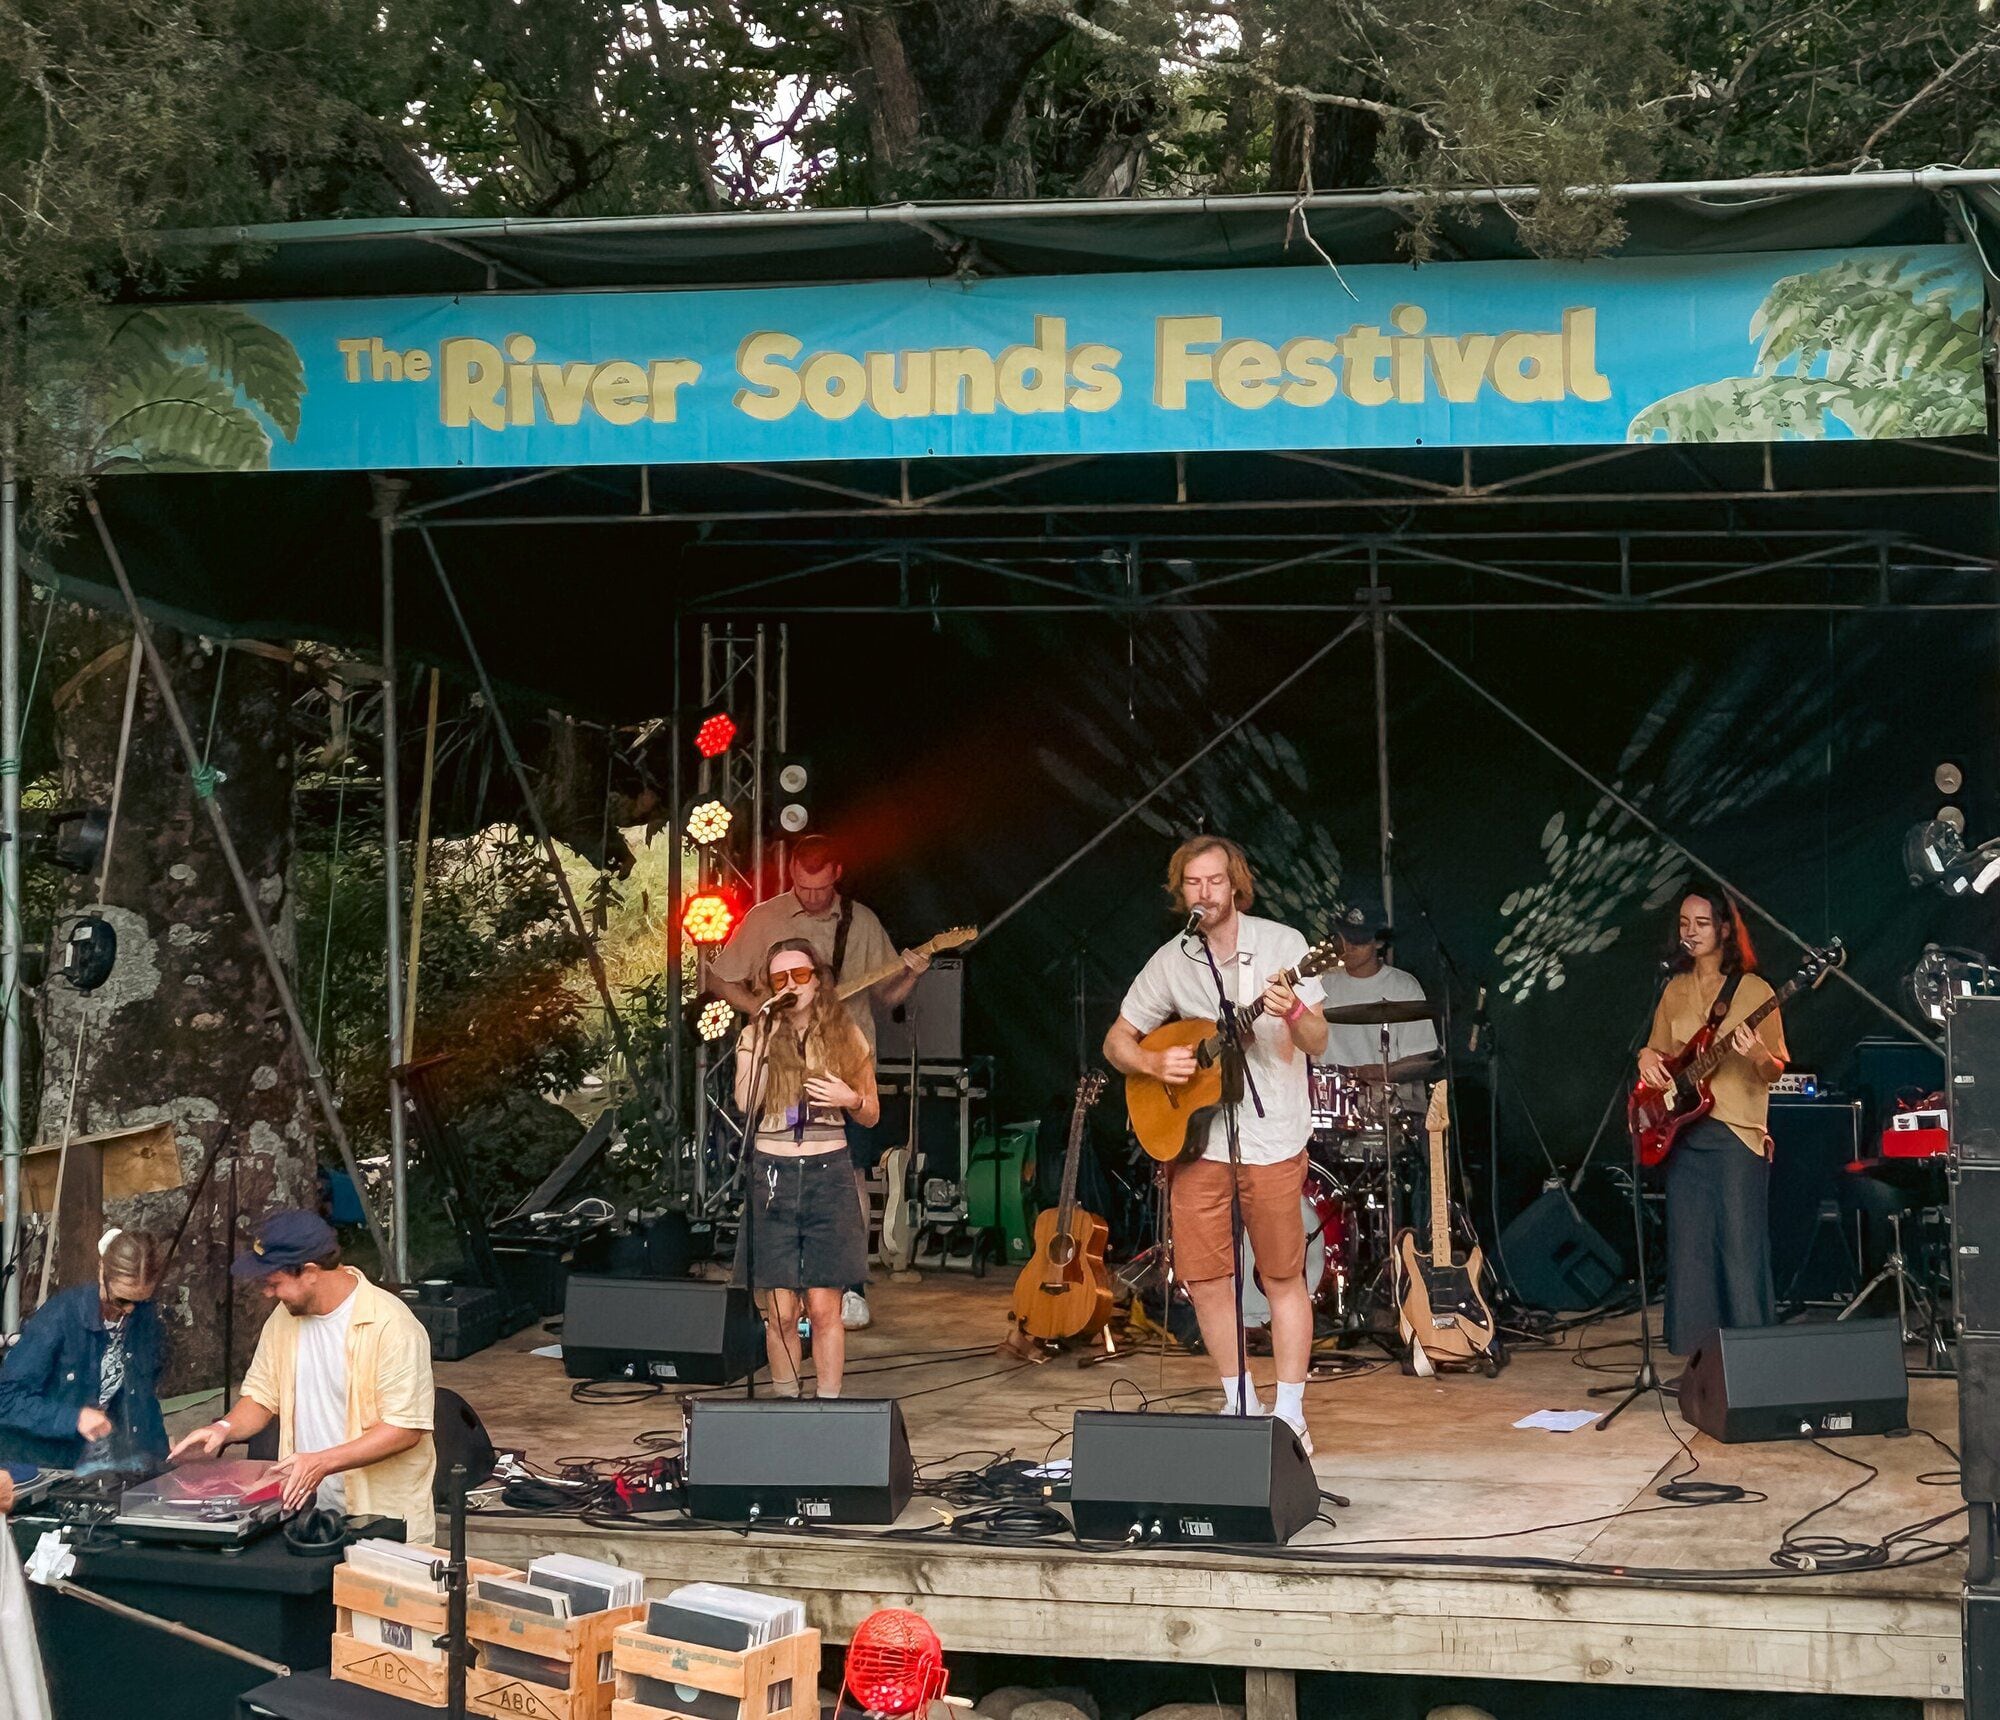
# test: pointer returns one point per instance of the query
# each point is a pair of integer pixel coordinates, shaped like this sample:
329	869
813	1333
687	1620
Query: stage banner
1768	347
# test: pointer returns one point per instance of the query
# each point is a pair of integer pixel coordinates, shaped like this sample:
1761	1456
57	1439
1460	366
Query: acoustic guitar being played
1171	1118
1063	1294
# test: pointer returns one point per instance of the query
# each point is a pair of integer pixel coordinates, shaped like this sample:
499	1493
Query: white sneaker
1299	1427
854	1313
1253	1405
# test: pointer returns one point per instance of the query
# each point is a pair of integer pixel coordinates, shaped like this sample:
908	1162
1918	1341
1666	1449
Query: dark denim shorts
804	1230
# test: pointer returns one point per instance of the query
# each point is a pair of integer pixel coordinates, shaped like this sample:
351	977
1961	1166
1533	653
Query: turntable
217	1502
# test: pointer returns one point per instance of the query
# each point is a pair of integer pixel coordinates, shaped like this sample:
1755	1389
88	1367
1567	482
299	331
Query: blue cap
284	1242
1360	917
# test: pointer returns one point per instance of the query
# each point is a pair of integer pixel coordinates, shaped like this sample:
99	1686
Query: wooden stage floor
1431	1467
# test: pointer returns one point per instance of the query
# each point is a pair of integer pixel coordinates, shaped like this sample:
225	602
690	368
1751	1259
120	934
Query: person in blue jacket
83	1376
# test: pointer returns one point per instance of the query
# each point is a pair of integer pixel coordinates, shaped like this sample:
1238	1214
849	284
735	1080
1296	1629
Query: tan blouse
824	1127
1742	1092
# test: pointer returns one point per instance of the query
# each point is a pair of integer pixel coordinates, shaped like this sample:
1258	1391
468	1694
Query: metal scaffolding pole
1378	623
388	494
10	890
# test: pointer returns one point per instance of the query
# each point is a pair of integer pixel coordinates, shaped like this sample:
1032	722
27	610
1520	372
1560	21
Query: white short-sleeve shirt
1176	984
1355	1047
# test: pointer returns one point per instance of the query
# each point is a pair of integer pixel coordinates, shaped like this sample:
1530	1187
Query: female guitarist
1719	1172
803	1070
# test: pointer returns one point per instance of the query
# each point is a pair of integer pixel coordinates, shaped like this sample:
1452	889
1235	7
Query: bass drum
1329	1222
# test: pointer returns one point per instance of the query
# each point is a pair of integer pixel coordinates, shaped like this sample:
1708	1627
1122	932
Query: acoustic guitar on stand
1064	1292
1444	1315
1657	1116
1171	1121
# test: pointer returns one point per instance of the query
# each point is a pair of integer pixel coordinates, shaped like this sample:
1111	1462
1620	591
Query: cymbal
1378	1014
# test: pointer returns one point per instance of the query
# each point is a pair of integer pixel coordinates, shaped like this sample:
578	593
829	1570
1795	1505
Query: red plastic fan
895	1665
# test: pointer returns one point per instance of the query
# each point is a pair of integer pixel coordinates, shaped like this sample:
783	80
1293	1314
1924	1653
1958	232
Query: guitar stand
1018	1344
1103	1348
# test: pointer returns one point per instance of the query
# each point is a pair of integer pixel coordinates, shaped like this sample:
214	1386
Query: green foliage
1875	347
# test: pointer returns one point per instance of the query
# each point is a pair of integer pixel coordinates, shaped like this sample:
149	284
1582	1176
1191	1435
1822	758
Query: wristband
1298	1009
222	1421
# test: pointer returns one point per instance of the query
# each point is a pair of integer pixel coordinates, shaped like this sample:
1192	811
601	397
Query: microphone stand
753	1117
1645	1379
1232	1042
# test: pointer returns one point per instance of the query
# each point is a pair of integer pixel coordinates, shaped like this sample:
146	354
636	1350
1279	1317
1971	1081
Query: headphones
316	1533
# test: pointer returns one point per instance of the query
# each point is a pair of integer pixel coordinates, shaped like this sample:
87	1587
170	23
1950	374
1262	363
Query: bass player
1209	881
1719	1173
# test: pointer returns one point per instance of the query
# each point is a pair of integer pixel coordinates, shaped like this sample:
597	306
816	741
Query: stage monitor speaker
1188	1479
1790	1382
809	1460
1979	1416
659	1329
1555	1259
1972	1079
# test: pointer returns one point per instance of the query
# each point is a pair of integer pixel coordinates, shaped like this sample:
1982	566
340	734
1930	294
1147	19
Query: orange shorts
1272	1218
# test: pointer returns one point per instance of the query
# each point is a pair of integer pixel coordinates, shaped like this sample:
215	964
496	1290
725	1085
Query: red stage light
715	734
708	918
895	1664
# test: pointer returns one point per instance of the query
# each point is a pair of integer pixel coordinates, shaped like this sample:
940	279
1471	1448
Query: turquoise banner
1735	348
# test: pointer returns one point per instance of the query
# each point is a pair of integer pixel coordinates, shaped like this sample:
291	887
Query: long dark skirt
1718	1236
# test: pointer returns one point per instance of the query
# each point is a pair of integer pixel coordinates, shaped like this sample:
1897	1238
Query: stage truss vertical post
10	887
389	493
676	1012
1378	624
704	772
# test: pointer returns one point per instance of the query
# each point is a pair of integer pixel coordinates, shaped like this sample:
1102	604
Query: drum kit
1362	1175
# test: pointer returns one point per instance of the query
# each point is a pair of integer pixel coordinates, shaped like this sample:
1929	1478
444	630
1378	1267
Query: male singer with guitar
850	940
1719	1172
1209	876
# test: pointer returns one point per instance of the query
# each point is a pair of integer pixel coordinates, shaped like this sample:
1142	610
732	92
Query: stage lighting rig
707	823
717	1018
1943	976
708	918
712	739
1934	852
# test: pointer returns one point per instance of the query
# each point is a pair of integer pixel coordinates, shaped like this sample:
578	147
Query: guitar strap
840	936
1724	998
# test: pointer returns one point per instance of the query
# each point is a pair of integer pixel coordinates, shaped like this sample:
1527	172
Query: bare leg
781	1341
829	1340
1215	1310
1291	1328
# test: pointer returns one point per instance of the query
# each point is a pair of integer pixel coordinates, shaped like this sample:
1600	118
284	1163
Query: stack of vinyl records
558	1587
713	1616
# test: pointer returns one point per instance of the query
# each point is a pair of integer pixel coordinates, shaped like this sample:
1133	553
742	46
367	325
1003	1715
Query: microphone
1669	963
781	1000
1194	923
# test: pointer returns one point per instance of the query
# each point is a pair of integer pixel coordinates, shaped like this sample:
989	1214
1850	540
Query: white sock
1291	1404
1253	1405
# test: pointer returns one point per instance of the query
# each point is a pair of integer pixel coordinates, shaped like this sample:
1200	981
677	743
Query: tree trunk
188	1029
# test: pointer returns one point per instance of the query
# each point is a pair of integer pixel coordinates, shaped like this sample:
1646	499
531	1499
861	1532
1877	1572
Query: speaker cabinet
1982	1654
1788	1382
1975	1247
1189	1479
811	1460
1555	1259
1972	1079
1813	1142
659	1329
1979	1416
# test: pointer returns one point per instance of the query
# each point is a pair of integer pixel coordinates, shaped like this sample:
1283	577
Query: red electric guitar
1656	1116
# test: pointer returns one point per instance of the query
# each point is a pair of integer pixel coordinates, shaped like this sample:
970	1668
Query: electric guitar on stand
1658	1116
1172	1122
1063	1294
1444	1315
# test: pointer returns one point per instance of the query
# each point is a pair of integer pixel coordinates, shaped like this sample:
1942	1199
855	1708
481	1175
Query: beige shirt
1742	1094
780	917
388	1380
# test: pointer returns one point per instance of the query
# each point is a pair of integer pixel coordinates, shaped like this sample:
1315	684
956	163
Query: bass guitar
1444	1314
1064	1292
1658	1116
955	938
1172	1121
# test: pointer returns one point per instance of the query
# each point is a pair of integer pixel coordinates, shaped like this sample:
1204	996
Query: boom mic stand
1232	1044
1645	1379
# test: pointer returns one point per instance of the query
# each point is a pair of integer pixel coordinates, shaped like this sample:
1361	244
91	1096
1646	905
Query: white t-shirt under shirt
1175	984
1357	1047
319	1394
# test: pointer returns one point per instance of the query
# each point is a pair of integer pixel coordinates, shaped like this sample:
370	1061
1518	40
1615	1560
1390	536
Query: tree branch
1983	44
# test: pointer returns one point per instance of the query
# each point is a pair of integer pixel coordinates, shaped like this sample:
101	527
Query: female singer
1719	1172
804	1234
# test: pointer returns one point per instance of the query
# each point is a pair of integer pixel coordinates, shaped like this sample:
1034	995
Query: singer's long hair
831	1044
1739	955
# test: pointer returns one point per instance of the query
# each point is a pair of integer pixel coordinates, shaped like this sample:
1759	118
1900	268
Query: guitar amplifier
931	1017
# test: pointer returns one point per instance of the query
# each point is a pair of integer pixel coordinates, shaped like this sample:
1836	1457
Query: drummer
1363	978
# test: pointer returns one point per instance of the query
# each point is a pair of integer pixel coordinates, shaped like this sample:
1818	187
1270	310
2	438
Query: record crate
418	1611
583	1644
779	1681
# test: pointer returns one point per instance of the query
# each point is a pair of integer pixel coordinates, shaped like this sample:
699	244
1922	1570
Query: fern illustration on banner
1866	348
175	388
